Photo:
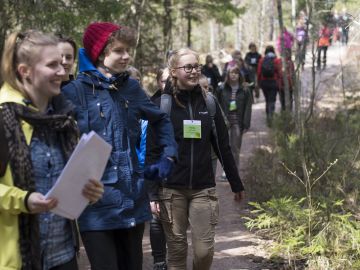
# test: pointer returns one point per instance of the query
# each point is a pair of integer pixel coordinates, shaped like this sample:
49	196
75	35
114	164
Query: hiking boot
160	266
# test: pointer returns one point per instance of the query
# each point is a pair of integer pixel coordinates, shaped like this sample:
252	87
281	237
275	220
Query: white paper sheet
88	161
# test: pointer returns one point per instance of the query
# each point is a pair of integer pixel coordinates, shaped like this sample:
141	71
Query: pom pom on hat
96	36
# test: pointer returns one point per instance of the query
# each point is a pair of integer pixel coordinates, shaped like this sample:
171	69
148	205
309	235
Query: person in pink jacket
288	41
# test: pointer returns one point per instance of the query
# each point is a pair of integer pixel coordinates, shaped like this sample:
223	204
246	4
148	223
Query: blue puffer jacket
113	108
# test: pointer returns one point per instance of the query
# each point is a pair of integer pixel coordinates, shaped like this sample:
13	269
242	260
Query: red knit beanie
95	37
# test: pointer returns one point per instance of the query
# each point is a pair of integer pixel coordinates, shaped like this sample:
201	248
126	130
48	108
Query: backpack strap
210	101
4	148
210	105
166	103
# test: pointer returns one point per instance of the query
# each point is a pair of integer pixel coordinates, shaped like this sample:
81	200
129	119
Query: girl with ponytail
39	134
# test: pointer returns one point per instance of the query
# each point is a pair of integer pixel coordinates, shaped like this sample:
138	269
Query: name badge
232	106
253	61
192	129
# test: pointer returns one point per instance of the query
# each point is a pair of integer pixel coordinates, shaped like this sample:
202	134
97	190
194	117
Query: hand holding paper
93	190
72	190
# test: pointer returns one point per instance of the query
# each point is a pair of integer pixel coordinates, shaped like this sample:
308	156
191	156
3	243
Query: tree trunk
4	25
239	32
188	19
283	58
167	26
262	25
271	21
293	14
212	35
139	7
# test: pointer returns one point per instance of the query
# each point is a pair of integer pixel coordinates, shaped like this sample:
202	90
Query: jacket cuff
170	151
237	187
26	200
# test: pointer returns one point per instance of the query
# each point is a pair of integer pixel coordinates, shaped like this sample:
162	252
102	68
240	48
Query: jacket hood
271	54
85	63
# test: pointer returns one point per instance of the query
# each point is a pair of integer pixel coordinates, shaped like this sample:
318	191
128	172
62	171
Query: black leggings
269	88
324	50
71	265
157	240
119	249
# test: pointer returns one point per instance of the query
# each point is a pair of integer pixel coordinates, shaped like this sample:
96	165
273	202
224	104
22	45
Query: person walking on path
301	41
269	75
112	104
344	26
288	41
236	57
157	234
252	59
235	99
211	71
323	44
188	197
38	135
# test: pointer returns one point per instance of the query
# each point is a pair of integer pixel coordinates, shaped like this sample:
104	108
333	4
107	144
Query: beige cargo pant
197	208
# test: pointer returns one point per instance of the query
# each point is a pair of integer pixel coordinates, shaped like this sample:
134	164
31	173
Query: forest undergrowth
305	189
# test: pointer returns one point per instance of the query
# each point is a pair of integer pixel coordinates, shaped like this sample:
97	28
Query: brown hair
22	48
65	39
173	63
236	68
124	34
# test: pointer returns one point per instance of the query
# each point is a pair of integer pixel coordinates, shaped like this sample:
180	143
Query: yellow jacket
11	198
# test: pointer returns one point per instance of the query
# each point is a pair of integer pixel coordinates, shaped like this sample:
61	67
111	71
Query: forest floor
236	247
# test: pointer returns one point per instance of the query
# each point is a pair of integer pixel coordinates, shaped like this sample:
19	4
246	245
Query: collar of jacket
169	89
58	103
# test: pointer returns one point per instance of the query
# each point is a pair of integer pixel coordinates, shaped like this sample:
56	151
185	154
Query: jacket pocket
118	168
214	206
166	199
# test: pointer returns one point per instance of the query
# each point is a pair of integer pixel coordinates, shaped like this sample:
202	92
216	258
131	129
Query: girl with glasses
188	197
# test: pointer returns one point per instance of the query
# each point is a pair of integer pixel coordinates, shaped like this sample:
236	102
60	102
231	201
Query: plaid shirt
55	232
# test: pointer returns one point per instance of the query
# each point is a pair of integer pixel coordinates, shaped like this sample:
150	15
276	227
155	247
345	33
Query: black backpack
268	67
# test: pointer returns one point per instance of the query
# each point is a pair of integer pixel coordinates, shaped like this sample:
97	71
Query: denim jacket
112	107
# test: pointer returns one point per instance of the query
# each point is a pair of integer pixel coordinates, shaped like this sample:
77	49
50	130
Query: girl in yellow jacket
39	135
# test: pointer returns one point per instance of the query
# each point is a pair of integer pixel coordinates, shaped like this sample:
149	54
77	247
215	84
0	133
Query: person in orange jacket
323	44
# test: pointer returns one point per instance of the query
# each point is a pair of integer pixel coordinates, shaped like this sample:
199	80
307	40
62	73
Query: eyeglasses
189	68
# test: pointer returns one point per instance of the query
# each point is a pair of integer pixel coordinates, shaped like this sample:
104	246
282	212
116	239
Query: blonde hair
173	64
22	48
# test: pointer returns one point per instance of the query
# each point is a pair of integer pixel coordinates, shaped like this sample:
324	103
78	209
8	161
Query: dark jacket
113	108
213	74
252	59
243	104
193	169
